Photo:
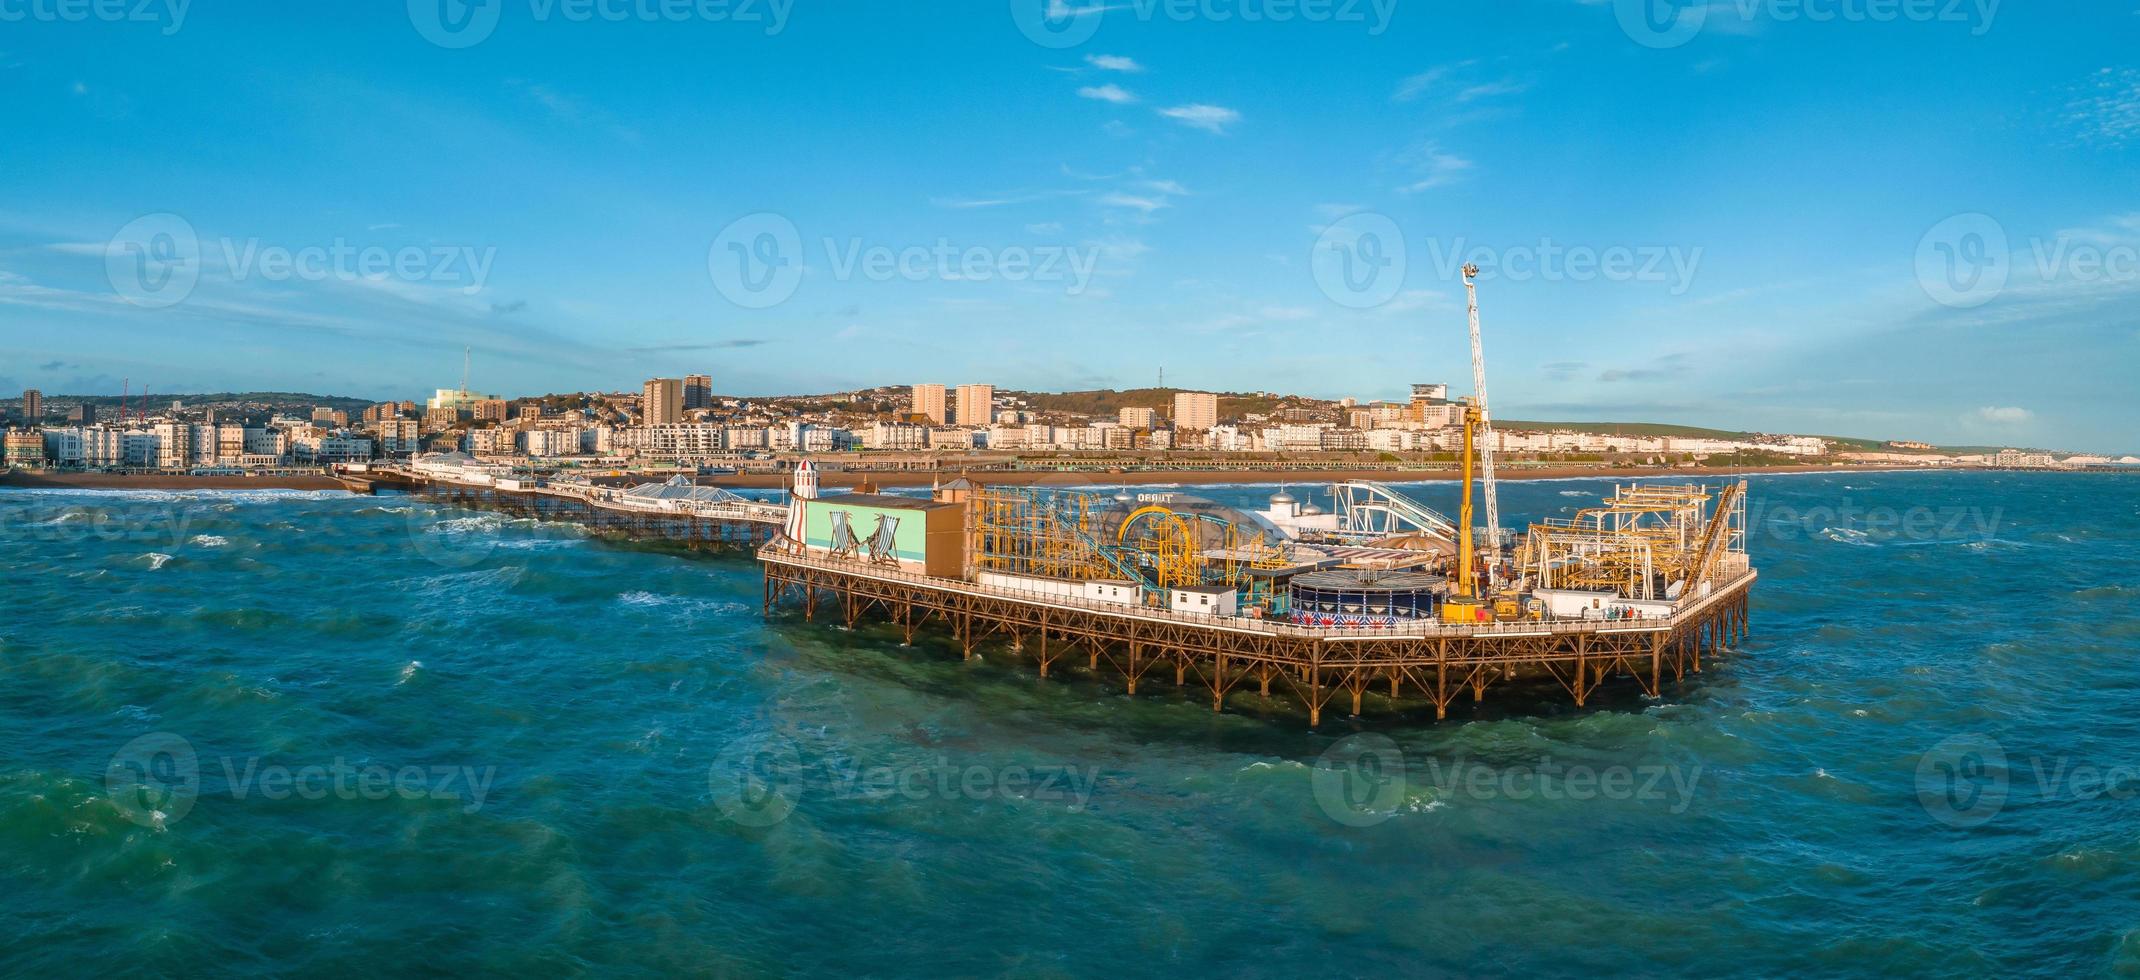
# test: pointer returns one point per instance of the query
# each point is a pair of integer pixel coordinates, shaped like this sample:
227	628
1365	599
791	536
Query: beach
30	479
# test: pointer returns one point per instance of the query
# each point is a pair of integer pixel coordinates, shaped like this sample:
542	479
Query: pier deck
1433	662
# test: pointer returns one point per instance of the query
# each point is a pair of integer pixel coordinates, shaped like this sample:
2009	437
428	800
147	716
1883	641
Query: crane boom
1486	431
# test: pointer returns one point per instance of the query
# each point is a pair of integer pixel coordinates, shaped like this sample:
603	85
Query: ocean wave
643	599
210	540
1847	535
156	559
203	495
468	525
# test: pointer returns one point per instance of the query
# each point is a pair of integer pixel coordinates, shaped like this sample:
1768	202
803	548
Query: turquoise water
383	735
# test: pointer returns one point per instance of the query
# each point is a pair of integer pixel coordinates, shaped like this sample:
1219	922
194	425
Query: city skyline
1081	203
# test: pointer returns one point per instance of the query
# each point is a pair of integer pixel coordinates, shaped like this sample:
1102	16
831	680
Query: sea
267	733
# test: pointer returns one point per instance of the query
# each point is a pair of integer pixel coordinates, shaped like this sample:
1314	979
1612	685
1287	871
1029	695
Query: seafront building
661	402
927	402
1196	411
976	405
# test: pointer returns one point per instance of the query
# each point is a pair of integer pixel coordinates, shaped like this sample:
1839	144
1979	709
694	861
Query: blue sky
1868	218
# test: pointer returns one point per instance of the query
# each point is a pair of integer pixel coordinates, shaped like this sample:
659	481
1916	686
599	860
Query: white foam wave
156	559
210	540
1847	535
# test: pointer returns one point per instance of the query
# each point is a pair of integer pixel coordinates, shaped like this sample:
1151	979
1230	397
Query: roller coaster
1084	536
1368	511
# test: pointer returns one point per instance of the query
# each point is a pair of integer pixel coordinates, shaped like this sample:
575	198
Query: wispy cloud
1485	90
717	345
997	200
1210	118
1118	199
1113	62
2003	415
2108	110
572	110
1415	86
1107	93
1668	366
1432	167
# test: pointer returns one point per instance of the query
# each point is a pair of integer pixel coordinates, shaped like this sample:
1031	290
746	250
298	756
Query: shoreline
835	479
22	480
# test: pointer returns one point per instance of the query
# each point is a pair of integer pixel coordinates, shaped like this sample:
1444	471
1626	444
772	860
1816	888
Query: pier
697	517
1219	655
964	561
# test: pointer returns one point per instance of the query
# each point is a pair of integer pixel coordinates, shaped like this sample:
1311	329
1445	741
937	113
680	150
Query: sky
1907	219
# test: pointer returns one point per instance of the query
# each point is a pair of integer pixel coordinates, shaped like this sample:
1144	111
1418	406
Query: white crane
1486	429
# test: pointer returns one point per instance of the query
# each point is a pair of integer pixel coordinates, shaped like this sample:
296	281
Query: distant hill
1846	443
